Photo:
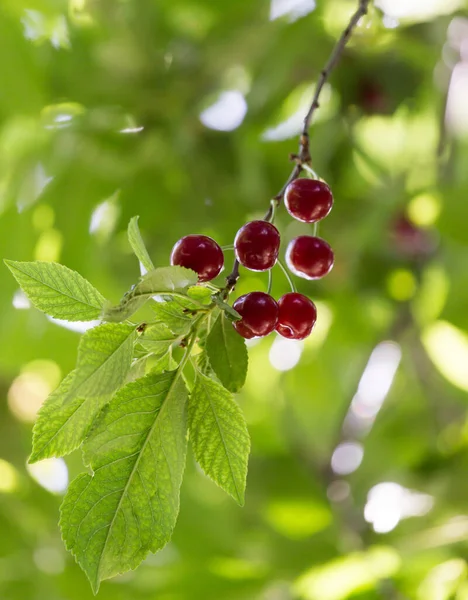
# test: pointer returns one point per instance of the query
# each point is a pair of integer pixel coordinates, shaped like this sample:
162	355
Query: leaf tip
37	455
240	499
33	458
95	584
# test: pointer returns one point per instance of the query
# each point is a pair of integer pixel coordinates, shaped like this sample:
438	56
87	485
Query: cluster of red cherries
257	247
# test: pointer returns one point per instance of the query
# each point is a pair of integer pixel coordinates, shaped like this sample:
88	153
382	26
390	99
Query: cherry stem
270	281
210	286
229	247
310	171
287	275
315	230
271	214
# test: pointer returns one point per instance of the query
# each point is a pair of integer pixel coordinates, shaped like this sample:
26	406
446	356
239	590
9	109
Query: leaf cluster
131	404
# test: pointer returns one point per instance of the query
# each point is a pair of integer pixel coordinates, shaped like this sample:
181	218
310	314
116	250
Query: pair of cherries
257	247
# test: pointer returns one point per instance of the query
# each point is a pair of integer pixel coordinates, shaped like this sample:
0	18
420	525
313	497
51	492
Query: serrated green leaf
138	245
155	282
175	314
157	339
57	290
200	292
227	308
219	436
227	353
112	519
104	360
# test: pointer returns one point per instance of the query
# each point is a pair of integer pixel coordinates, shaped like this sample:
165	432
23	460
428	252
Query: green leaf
175	314
138	245
233	314
57	290
104	360
219	436
138	369
227	353
203	363
162	363
200	292
112	519
157	339
155	282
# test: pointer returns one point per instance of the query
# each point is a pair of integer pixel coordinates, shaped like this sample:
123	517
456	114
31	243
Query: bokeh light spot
424	209
292	9
8	477
401	284
49	246
389	502
32	386
51	474
347	457
447	347
297	518
226	113
285	354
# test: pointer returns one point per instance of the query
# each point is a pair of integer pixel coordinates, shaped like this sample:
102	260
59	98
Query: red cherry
308	200
309	257
259	312
199	253
296	317
257	245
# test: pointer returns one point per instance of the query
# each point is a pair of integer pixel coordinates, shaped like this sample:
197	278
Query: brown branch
303	157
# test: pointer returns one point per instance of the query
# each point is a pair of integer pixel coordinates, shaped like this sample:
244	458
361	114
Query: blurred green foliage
100	106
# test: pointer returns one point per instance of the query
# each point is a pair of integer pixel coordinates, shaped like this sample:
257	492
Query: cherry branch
303	157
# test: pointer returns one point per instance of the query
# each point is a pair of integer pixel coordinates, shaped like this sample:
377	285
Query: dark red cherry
257	245
308	200
309	257
259	312
199	253
296	317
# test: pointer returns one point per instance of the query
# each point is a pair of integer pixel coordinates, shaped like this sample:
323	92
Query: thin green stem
287	275
215	288
272	212
315	229
310	171
229	247
191	344
270	281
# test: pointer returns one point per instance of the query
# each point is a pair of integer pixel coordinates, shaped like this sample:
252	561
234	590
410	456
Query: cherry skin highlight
199	253
259	312
308	200
309	257
257	245
296	317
